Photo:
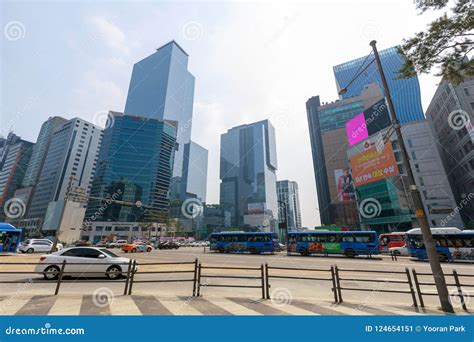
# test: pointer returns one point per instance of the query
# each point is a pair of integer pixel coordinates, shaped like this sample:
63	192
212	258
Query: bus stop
10	237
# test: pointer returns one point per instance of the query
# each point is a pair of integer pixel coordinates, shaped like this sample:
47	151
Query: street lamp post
435	264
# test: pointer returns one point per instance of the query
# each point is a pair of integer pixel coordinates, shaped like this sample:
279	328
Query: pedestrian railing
340	278
257	274
317	272
453	280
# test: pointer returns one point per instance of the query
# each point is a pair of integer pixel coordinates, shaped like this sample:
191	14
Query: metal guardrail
457	284
261	277
291	269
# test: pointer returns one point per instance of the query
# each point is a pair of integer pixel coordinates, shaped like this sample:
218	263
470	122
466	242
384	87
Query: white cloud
110	34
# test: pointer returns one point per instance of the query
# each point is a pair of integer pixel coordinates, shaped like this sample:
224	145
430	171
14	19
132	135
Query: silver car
80	261
38	245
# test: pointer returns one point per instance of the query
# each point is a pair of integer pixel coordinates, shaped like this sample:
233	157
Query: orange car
136	247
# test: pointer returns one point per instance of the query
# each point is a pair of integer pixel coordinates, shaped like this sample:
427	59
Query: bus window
331	238
291	238
348	238
364	237
213	239
469	241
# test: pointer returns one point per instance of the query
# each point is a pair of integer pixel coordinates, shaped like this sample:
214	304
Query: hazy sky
251	60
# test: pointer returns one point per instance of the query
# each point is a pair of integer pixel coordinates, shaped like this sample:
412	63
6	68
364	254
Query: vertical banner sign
371	166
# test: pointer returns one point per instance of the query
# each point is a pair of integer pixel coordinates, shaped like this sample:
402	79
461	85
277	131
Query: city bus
387	241
451	244
241	242
348	243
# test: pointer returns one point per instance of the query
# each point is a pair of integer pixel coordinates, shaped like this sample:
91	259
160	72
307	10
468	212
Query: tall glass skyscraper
161	87
248	174
134	166
405	92
289	204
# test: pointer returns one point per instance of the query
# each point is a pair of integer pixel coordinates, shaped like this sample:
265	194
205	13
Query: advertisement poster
344	184
371	166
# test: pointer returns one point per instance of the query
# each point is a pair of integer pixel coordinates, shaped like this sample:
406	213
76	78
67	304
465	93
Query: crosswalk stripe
348	311
257	306
289	308
66	306
206	307
150	305
317	308
37	305
233	307
11	305
124	305
179	307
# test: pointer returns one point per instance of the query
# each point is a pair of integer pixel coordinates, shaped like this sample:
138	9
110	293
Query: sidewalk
106	303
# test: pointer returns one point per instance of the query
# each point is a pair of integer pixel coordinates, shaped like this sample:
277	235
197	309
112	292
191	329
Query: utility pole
416	197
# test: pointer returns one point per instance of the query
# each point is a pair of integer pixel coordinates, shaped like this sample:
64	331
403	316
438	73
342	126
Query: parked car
83	259
102	244
118	244
38	245
279	247
82	243
137	247
167	245
399	250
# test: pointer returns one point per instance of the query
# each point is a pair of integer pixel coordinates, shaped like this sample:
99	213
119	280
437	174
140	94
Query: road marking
289	308
233	307
90	308
66	306
347	311
124	305
11	305
150	305
37	305
316	308
257	305
179	307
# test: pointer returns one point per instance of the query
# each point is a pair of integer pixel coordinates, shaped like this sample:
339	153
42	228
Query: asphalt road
295	288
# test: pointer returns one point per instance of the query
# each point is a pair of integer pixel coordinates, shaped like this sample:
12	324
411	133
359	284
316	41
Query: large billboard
370	121
344	184
371	166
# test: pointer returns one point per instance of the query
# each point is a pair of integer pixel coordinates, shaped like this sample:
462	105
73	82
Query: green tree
445	44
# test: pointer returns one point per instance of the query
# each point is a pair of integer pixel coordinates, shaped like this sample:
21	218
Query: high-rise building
32	173
451	118
161	87
70	162
15	154
194	172
248	165
134	166
289	204
329	147
405	92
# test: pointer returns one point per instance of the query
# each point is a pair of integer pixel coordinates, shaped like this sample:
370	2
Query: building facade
289	210
135	167
248	165
70	162
161	87
451	119
194	172
15	155
329	147
405	92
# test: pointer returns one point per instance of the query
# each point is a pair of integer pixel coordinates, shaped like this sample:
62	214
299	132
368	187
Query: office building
405	92
161	87
329	145
451	119
248	165
289	211
194	180
70	163
15	155
135	167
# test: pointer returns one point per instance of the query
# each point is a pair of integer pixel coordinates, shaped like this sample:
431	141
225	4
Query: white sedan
80	260
399	251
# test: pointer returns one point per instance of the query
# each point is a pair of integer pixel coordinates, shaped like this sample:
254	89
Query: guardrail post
267	281
460	294
132	277
195	275
199	281
412	291
333	277
338	283
128	277
263	280
418	289
60	278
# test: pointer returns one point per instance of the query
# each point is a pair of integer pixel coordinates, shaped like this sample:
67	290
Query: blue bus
451	244
241	242
348	243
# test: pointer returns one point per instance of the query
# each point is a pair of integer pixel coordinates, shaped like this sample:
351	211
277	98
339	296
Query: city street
290	296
